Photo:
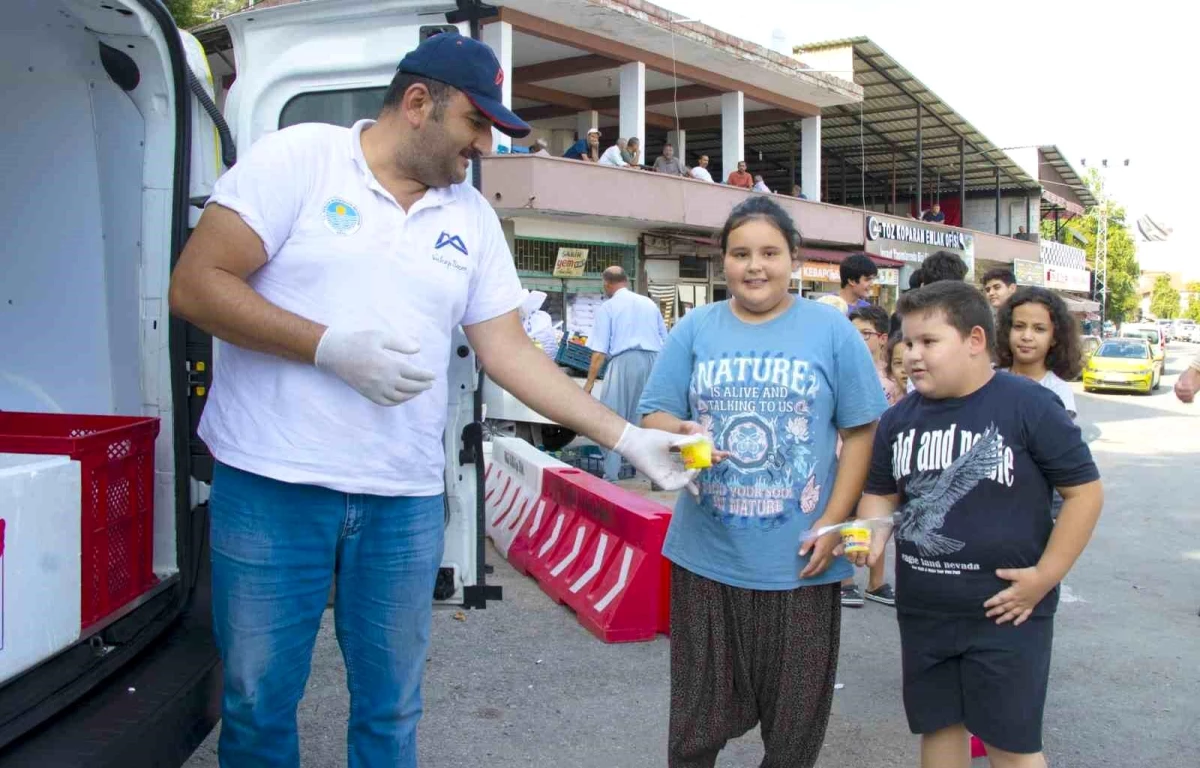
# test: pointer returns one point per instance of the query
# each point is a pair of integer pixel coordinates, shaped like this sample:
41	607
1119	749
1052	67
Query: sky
1099	79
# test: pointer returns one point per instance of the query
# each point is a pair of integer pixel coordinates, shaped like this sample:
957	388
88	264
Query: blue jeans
275	548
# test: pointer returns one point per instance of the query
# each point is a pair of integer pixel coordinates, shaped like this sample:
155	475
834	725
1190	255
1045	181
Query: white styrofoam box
40	564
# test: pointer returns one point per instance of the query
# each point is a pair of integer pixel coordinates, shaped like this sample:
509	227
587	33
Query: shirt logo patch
341	217
454	241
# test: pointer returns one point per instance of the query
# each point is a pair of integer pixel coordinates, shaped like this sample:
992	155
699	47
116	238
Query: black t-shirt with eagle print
975	477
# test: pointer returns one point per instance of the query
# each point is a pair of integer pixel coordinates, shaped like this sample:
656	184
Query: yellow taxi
1126	364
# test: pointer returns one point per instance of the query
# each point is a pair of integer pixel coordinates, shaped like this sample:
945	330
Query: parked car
1181	329
1122	364
1154	336
1164	326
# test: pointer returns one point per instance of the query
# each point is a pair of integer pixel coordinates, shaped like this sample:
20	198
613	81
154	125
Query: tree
191	13
1164	299
1123	267
1193	307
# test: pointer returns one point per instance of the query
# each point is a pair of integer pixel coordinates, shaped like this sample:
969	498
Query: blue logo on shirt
341	217
454	241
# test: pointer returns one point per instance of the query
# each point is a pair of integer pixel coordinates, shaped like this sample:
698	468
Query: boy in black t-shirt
970	460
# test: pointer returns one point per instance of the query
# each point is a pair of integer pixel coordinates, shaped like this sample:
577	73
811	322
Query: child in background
894	354
970	459
774	379
871	322
1038	338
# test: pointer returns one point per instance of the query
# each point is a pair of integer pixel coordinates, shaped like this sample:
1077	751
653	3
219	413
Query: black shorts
991	678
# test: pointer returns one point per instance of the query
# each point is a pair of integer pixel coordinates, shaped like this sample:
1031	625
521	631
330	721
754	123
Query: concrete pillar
498	37
678	139
810	157
733	132
586	121
633	103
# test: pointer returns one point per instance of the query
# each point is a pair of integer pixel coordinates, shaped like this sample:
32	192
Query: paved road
521	684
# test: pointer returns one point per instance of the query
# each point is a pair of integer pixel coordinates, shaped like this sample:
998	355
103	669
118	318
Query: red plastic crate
116	457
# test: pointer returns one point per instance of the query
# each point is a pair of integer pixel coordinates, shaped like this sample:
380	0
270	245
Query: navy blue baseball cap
471	67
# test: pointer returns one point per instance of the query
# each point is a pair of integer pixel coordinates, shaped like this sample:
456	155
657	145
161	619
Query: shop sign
1068	279
888	276
1029	272
570	262
903	235
820	272
914	241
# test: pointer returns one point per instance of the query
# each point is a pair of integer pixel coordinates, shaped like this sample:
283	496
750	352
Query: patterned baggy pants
741	657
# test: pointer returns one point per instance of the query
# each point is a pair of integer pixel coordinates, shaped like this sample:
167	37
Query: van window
344	108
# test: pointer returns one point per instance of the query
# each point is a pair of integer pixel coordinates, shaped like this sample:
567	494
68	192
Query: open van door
105	129
331	62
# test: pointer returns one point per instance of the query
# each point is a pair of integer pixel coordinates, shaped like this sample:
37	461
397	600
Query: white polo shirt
342	252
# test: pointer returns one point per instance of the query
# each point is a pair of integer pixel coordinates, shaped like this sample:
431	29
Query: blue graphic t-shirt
774	396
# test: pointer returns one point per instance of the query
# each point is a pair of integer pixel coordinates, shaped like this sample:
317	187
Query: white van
111	144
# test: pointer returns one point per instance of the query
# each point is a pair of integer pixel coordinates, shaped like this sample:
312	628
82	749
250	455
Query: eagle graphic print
932	494
759	408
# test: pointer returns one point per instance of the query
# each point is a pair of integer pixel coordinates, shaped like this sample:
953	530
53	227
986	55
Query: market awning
1081	305
832	256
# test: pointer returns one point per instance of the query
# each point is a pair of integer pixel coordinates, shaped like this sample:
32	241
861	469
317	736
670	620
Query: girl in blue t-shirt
774	380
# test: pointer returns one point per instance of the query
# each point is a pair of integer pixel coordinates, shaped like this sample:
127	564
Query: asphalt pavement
523	684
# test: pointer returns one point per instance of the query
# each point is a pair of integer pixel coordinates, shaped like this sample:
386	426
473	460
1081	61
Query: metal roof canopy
1054	196
867	137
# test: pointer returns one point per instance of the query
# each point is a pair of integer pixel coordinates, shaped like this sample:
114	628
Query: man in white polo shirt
333	264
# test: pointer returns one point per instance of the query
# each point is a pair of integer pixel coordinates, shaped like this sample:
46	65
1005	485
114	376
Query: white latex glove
649	450
374	363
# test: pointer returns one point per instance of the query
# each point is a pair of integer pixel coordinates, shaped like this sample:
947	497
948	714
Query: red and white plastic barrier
606	562
512	495
590	544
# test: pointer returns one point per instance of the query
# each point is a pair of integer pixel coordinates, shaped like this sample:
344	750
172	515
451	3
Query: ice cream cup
697	454
856	538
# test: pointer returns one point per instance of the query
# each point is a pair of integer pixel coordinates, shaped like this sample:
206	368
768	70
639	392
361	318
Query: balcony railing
525	185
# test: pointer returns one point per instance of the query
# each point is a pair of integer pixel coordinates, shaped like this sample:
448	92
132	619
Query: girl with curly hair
1037	337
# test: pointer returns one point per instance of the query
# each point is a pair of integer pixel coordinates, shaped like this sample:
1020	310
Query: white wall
980	214
562	230
838	62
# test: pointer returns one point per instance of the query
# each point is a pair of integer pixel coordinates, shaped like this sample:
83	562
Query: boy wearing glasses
872	322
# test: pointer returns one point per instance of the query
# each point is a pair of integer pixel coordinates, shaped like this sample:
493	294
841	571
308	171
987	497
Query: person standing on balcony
586	149
935	215
760	185
701	170
741	177
631	153
629	332
668	163
334	264
615	155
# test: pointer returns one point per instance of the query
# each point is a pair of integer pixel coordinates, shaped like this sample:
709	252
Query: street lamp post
1100	265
